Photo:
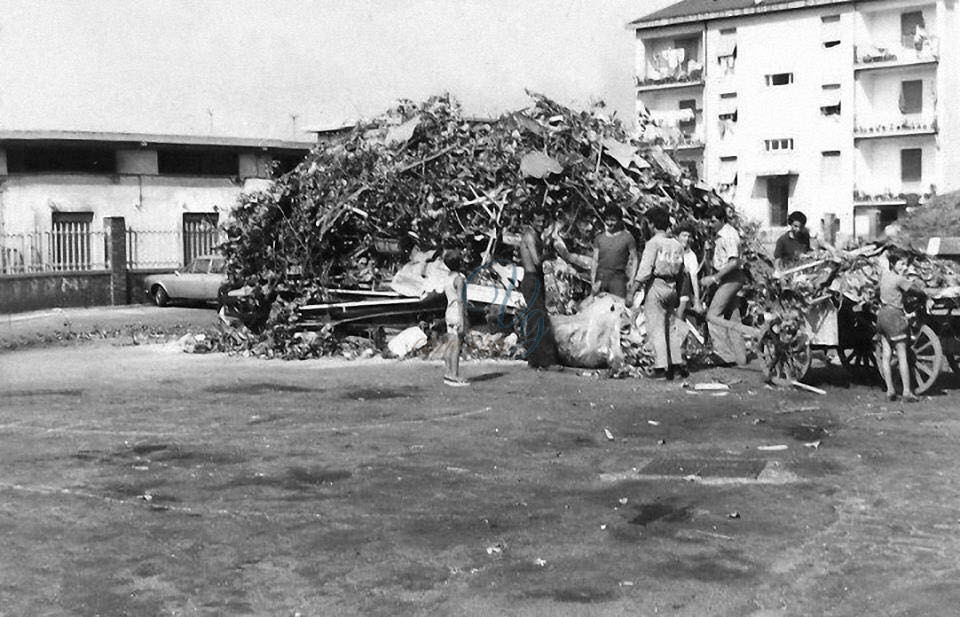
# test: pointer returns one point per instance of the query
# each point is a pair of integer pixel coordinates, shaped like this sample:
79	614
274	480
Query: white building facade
846	111
58	188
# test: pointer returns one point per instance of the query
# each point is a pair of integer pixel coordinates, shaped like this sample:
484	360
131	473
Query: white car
199	281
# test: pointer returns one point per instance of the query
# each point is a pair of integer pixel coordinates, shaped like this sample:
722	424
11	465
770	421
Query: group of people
668	270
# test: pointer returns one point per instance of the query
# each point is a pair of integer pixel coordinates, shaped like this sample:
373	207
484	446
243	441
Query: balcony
679	129
887	199
672	67
686	80
877	56
901	126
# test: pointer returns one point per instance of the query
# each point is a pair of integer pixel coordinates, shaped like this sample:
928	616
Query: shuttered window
911	165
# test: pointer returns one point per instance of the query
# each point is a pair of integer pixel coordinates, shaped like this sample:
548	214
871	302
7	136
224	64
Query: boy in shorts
455	317
892	323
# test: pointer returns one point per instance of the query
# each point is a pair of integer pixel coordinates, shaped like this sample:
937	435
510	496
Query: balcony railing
895	127
680	80
878	55
887	198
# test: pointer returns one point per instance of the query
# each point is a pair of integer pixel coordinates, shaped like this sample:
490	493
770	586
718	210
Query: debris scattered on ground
540	562
496	549
733	514
708	386
407	342
774	448
608	434
808	388
812	444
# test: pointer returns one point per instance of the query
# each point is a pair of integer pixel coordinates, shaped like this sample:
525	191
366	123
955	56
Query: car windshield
217	266
198	266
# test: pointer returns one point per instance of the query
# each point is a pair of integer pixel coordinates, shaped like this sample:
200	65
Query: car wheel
160	296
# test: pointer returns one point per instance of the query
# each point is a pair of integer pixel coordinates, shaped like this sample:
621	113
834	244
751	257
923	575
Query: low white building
57	187
832	107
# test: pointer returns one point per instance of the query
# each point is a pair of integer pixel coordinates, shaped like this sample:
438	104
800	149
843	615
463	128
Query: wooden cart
787	341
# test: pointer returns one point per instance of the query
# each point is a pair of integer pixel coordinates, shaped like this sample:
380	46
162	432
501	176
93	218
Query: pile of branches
854	275
425	176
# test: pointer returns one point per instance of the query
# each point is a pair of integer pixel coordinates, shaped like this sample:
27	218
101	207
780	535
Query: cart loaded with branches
830	303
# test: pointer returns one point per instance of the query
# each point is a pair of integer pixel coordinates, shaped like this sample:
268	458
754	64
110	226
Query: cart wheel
860	362
927	357
789	360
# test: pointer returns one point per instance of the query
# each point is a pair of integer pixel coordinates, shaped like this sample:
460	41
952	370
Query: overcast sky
243	67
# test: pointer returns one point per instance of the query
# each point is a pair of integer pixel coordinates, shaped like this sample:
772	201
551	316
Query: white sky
242	67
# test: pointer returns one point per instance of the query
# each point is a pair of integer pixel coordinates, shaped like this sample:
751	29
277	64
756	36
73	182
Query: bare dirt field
138	480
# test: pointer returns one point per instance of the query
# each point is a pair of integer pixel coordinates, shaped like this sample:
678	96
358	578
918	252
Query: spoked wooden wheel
926	353
784	357
860	362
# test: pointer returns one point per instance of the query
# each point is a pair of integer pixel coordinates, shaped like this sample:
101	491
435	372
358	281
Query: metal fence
73	247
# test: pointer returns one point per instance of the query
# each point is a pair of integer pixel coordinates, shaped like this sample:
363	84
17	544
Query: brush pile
425	177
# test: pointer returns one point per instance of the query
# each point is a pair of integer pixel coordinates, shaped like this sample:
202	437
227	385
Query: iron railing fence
72	247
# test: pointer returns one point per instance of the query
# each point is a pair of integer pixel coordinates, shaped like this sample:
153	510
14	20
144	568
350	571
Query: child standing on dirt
892	323
456	317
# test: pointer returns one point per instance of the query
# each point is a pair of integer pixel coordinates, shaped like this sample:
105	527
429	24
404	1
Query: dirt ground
139	480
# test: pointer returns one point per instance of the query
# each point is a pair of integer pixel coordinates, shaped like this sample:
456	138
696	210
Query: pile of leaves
938	217
426	176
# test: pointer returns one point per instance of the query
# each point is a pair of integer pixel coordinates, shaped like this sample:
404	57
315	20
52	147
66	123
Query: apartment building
844	110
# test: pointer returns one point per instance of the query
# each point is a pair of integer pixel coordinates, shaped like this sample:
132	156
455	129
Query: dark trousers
535	323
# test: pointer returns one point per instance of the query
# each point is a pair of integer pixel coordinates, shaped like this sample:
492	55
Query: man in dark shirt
614	257
793	243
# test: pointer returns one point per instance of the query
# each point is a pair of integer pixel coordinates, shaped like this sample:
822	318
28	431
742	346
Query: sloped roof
687	11
154	139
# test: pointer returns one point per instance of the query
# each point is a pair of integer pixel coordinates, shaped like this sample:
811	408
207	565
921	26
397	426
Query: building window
728	172
830	30
688	127
830	168
779	79
778	198
911	164
60	159
772	145
911	96
727	49
70	242
728	107
186	162
830	100
200	235
911	24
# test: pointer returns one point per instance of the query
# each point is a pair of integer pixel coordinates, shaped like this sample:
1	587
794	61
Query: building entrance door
778	196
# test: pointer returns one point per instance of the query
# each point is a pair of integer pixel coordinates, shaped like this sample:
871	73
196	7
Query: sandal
891	396
910	398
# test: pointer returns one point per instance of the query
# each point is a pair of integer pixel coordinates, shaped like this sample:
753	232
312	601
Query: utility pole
210	113
293	122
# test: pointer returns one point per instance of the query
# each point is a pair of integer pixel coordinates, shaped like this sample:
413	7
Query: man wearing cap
793	243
